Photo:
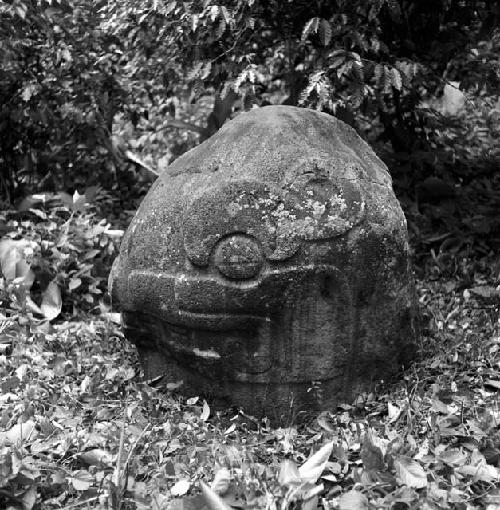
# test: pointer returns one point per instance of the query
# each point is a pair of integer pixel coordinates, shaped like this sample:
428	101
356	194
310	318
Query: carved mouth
208	302
236	353
214	321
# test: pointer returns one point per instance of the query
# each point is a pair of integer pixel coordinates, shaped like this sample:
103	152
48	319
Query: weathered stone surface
273	255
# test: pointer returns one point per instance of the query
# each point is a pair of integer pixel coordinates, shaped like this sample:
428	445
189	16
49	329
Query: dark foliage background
86	87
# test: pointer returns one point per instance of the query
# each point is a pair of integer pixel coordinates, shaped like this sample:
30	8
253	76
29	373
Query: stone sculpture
269	260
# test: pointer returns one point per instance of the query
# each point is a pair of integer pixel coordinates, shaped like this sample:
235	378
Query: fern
196	71
378	74
214	12
396	80
250	74
311	27
387	80
405	69
325	32
195	19
221	28
394	8
205	72
357	72
357	96
320	86
324	92
226	14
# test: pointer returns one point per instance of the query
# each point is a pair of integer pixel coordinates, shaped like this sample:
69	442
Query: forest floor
79	429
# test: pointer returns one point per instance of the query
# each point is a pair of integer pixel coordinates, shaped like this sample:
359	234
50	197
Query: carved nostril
238	257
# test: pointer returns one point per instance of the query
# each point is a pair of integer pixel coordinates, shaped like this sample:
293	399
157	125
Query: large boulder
269	268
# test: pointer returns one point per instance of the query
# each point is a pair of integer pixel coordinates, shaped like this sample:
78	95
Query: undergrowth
80	429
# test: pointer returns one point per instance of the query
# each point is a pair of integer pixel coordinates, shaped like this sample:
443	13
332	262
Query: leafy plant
60	261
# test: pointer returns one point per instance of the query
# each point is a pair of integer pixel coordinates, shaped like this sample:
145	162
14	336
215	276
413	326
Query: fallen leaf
492	383
19	434
74	283
213	500
453	457
13	259
51	301
289	473
310	504
323	422
486	292
289	435
371	453
313	467
393	412
97	457
205	414
180	488
230	429
29	498
353	500
478	469
483	472
410	472
222	479
79	201
81	480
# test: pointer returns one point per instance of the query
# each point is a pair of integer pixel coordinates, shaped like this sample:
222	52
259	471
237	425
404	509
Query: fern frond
396	80
387	80
378	74
325	32
311	27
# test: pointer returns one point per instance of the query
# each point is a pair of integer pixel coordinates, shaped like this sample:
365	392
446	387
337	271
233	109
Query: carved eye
238	257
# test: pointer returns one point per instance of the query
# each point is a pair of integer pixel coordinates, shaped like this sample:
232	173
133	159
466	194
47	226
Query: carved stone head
269	260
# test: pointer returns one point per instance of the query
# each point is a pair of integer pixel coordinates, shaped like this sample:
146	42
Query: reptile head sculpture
270	259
